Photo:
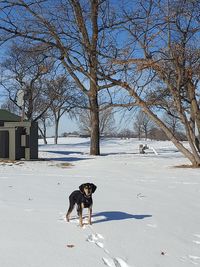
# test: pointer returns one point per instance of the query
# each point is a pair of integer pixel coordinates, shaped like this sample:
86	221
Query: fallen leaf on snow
70	246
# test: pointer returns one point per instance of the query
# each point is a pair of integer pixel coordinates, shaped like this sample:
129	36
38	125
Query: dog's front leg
81	215
90	215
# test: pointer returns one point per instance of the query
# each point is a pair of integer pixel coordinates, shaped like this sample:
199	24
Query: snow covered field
146	212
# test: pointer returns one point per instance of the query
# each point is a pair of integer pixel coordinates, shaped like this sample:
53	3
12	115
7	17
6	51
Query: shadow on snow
66	153
117	216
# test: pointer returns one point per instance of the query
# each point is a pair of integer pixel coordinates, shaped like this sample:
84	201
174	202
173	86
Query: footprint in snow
94	238
194	259
62	218
115	262
110	262
120	263
196	241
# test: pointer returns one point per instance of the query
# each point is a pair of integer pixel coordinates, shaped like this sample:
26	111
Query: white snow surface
146	212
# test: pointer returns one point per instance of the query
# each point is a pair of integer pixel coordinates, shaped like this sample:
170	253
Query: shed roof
8	116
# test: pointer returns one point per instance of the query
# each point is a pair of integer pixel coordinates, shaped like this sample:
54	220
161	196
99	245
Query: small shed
18	139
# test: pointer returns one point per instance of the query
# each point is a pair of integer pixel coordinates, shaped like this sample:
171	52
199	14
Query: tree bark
93	63
56	129
95	133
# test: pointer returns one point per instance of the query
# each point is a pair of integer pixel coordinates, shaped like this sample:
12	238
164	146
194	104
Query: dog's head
87	189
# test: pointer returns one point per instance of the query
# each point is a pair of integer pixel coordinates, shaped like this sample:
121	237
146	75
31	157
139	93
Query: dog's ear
93	188
81	188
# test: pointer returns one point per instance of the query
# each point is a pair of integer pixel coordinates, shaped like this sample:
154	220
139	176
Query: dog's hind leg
90	215
78	210
71	207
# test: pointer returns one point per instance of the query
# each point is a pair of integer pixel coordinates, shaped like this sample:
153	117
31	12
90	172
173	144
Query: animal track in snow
99	244
194	259
97	239
120	263
115	262
73	219
93	238
111	261
140	196
196	241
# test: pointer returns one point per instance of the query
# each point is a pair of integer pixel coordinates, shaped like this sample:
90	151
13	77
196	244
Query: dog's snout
88	190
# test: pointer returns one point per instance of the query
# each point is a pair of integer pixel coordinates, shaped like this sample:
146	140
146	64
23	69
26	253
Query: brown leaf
70	246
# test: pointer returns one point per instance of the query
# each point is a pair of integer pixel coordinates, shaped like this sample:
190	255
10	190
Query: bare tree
106	121
10	106
173	123
163	51
142	125
65	98
44	122
138	127
74	31
25	69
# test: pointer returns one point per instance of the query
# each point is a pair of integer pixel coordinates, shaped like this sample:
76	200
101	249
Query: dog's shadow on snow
116	216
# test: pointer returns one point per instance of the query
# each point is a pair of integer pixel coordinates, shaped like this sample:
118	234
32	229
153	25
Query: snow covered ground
146	212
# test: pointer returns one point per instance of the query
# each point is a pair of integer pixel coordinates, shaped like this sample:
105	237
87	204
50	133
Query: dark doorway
4	144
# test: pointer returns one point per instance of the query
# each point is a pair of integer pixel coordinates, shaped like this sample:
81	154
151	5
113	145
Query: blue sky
66	125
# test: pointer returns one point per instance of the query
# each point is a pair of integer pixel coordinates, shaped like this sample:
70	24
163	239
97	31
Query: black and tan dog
83	199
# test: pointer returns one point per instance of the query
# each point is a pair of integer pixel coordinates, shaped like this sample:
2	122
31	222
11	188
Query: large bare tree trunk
56	131
195	113
93	95
95	134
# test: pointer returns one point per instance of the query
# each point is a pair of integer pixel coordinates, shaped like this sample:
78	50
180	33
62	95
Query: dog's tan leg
67	216
81	215
71	207
90	216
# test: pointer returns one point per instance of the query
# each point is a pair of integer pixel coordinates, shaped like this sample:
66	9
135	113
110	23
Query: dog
83	199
